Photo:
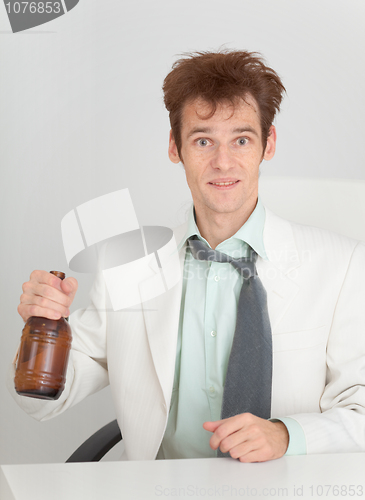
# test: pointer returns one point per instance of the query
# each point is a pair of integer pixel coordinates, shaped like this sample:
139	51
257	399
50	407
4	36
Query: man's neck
216	227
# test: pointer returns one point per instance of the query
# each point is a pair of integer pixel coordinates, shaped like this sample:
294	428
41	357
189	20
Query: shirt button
213	333
216	278
211	390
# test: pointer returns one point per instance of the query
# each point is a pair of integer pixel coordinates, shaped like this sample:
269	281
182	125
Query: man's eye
202	142
242	141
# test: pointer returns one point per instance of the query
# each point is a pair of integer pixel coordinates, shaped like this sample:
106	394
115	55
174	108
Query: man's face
226	148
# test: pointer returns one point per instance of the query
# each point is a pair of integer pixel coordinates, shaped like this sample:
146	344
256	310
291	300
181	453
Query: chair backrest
335	204
97	445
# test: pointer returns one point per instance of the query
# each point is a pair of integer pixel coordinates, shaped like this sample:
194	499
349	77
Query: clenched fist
249	438
47	296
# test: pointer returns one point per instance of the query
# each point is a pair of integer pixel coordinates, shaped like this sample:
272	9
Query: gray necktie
247	388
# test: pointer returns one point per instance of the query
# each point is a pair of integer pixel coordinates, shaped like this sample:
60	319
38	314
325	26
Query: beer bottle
43	356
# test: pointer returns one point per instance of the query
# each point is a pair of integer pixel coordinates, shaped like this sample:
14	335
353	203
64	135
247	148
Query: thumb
69	286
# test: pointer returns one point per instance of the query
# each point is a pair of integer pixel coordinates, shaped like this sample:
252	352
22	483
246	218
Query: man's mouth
223	184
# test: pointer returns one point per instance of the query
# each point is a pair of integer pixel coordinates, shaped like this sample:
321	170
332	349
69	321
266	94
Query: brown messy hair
217	77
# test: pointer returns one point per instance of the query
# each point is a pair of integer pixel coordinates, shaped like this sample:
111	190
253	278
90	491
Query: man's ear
270	144
173	154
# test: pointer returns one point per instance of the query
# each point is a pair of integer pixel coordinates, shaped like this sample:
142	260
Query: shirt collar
250	233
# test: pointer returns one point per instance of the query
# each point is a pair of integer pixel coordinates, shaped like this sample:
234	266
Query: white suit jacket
315	283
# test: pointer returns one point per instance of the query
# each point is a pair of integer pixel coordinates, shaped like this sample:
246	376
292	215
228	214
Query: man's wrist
284	435
297	441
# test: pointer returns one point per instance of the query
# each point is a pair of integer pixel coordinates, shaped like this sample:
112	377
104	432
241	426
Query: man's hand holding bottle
47	296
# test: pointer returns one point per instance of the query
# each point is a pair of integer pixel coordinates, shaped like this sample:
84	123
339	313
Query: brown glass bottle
43	356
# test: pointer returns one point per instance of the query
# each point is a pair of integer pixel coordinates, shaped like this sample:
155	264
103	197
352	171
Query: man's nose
223	158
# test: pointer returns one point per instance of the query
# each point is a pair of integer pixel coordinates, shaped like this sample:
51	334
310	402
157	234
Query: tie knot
244	265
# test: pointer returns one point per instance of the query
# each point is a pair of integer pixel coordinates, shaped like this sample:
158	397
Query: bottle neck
59	274
62	276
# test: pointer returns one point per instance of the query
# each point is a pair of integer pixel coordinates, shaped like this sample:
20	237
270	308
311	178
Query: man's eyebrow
207	130
200	130
241	130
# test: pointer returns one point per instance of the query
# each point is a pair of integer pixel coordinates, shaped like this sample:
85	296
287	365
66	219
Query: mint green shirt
207	322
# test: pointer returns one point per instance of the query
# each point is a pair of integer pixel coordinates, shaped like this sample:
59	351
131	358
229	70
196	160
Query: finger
45	278
67	286
254	449
26	311
240	444
229	426
51	293
43	303
234	440
211	426
255	455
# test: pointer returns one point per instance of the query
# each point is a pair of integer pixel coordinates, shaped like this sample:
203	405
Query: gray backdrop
81	115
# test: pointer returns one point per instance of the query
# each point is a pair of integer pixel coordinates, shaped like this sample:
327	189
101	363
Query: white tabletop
317	476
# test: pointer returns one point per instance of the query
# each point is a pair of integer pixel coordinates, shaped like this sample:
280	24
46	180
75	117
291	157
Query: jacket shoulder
313	237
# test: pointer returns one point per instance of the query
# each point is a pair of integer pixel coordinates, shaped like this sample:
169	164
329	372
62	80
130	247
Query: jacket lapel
162	314
278	272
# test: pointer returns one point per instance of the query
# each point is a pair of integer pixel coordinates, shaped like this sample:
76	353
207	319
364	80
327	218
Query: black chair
94	448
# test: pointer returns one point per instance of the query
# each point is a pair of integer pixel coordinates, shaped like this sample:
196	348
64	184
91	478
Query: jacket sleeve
340	427
87	368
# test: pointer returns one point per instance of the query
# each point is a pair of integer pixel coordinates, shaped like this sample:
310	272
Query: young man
168	364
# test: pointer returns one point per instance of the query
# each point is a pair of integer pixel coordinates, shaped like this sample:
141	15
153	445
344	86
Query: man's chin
225	208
